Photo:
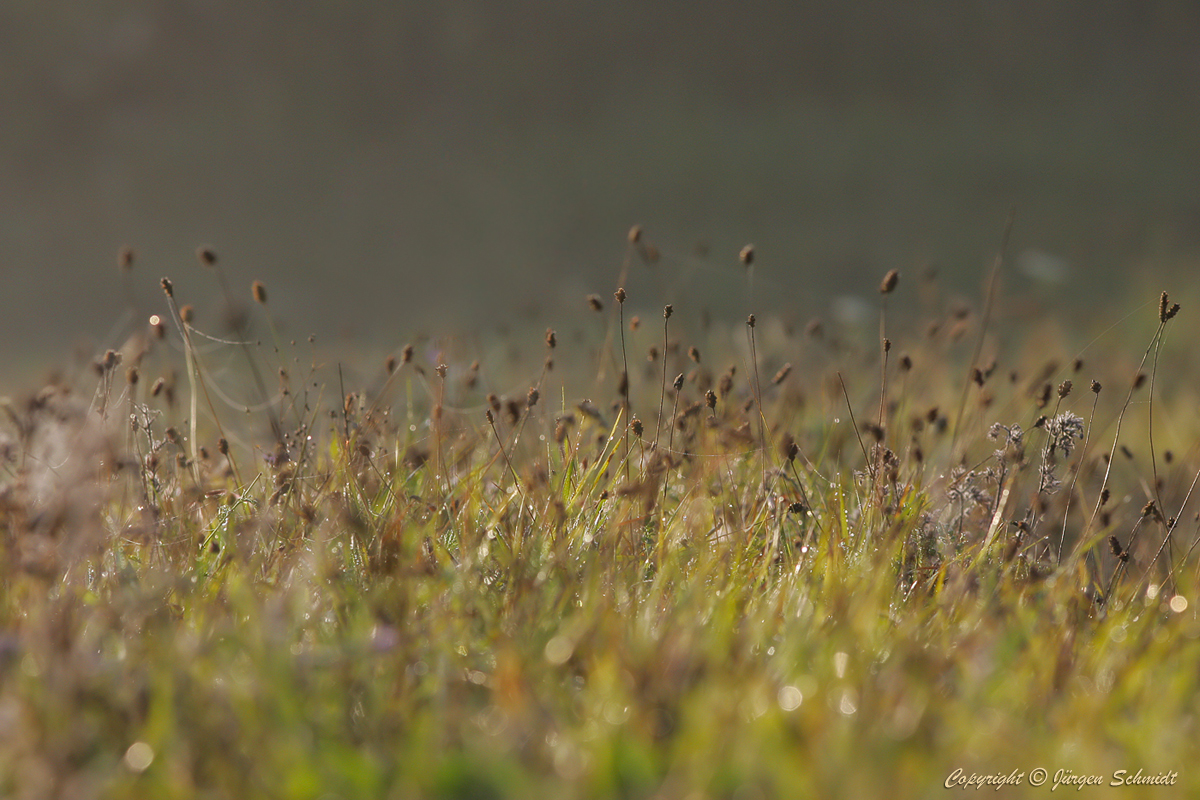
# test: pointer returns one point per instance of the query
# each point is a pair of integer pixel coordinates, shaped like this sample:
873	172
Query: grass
959	551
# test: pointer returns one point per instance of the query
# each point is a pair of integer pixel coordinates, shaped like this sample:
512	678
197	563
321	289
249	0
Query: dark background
388	168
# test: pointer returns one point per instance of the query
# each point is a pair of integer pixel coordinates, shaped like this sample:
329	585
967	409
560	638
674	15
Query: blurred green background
401	166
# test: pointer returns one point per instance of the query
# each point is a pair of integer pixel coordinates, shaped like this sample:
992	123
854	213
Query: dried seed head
494	402
636	425
109	360
781	376
888	284
887	345
1095	387
905	362
223	446
620	294
694	354
750	320
635	322
551	339
1115	544
168	287
668	310
1138	380
725	386
259	292
406	354
172	435
1162	307
594	301
488	416
131	376
532	398
678	382
746	255
390	364
125	259
710	399
441	370
187	314
157	388
635	234
207	256
1064	389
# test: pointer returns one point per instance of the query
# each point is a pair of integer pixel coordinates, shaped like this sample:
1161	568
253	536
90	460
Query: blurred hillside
391	166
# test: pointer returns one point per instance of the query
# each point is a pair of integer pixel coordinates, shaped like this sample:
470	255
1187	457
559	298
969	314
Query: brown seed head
710	399
594	301
781	376
406	354
207	256
750	320
1064	389
168	287
259	292
390	364
620	294
157	388
551	339
905	362
1095	387
488	416
888	284
668	310
636	425
887	345
532	398
635	234
441	370
131	376
223	446
746	255
678	382
187	314
1162	307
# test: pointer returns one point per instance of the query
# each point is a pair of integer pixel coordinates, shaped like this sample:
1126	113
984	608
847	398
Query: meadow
645	550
